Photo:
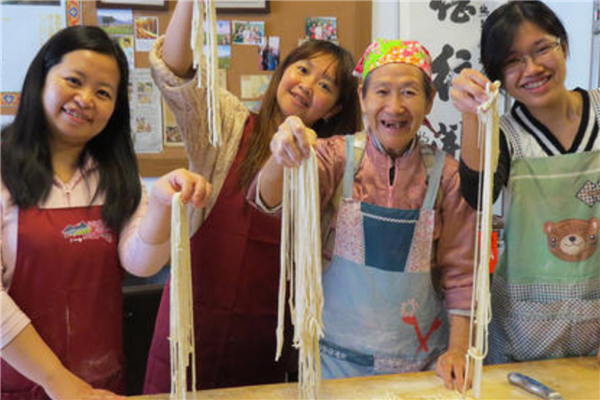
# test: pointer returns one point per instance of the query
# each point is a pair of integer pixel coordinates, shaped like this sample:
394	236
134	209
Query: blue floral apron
381	312
546	289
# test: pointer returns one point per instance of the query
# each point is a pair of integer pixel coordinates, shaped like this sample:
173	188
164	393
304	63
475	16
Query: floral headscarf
383	51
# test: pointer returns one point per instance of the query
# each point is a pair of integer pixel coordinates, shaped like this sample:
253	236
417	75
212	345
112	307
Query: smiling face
538	83
79	97
395	104
308	90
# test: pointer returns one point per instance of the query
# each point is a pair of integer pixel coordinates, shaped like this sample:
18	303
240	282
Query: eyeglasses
540	54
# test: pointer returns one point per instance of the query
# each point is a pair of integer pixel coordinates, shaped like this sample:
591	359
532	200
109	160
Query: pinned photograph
248	32
224	53
146	33
269	54
116	22
321	28
119	25
223	32
126	44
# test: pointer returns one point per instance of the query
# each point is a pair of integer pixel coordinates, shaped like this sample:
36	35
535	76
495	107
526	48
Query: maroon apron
235	269
68	282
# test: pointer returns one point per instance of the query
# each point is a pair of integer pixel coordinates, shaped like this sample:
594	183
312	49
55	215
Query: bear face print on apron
381	313
546	289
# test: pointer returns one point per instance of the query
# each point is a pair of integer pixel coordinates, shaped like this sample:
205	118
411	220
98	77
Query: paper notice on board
254	86
146	121
146	33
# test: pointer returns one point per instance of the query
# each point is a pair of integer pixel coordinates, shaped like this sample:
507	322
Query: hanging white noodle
205	59
481	313
181	336
301	266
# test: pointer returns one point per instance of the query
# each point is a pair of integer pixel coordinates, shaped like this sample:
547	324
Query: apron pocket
553	330
388	235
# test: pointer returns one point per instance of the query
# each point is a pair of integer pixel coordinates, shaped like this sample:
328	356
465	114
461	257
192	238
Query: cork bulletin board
285	19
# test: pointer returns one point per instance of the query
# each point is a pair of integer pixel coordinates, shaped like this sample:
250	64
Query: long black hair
500	28
26	159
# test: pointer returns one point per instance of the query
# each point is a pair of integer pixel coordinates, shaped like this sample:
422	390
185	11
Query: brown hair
347	121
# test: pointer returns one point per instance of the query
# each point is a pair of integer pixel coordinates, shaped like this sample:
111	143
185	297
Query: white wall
576	16
385	23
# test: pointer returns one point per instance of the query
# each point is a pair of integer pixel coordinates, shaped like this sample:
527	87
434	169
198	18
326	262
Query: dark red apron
68	281
235	268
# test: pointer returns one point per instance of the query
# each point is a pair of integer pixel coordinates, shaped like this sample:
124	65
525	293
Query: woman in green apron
400	222
545	292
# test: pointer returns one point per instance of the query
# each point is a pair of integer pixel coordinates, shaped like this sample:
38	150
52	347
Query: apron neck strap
355	150
434	166
434	174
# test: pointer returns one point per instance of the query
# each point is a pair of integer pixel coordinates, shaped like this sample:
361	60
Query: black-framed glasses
540	54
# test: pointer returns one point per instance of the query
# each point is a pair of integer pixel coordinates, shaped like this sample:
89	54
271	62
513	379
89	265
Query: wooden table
573	378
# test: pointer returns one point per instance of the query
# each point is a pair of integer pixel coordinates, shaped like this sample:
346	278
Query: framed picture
134	4
242	6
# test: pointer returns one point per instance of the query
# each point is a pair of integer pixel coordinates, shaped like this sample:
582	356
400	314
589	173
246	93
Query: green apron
546	289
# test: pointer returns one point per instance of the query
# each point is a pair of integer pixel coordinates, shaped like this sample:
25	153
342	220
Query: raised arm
467	93
177	52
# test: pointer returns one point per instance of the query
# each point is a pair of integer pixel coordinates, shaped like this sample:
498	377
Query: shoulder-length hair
347	121
500	28
26	155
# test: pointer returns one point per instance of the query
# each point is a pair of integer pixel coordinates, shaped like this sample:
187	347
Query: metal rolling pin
532	386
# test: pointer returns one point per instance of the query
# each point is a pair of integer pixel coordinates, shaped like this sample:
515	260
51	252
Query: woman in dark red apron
235	249
73	215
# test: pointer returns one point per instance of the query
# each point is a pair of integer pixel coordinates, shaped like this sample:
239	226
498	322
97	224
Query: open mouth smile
536	83
300	99
393	124
76	116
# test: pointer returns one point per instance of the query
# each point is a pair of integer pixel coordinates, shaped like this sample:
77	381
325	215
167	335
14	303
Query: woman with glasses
545	296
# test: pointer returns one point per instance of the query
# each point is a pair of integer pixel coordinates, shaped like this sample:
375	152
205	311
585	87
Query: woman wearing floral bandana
398	288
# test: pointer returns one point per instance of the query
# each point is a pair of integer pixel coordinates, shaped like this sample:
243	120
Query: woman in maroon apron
235	249
73	215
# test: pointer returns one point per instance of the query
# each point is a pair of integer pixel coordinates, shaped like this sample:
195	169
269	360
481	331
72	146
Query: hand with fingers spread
468	90
291	144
